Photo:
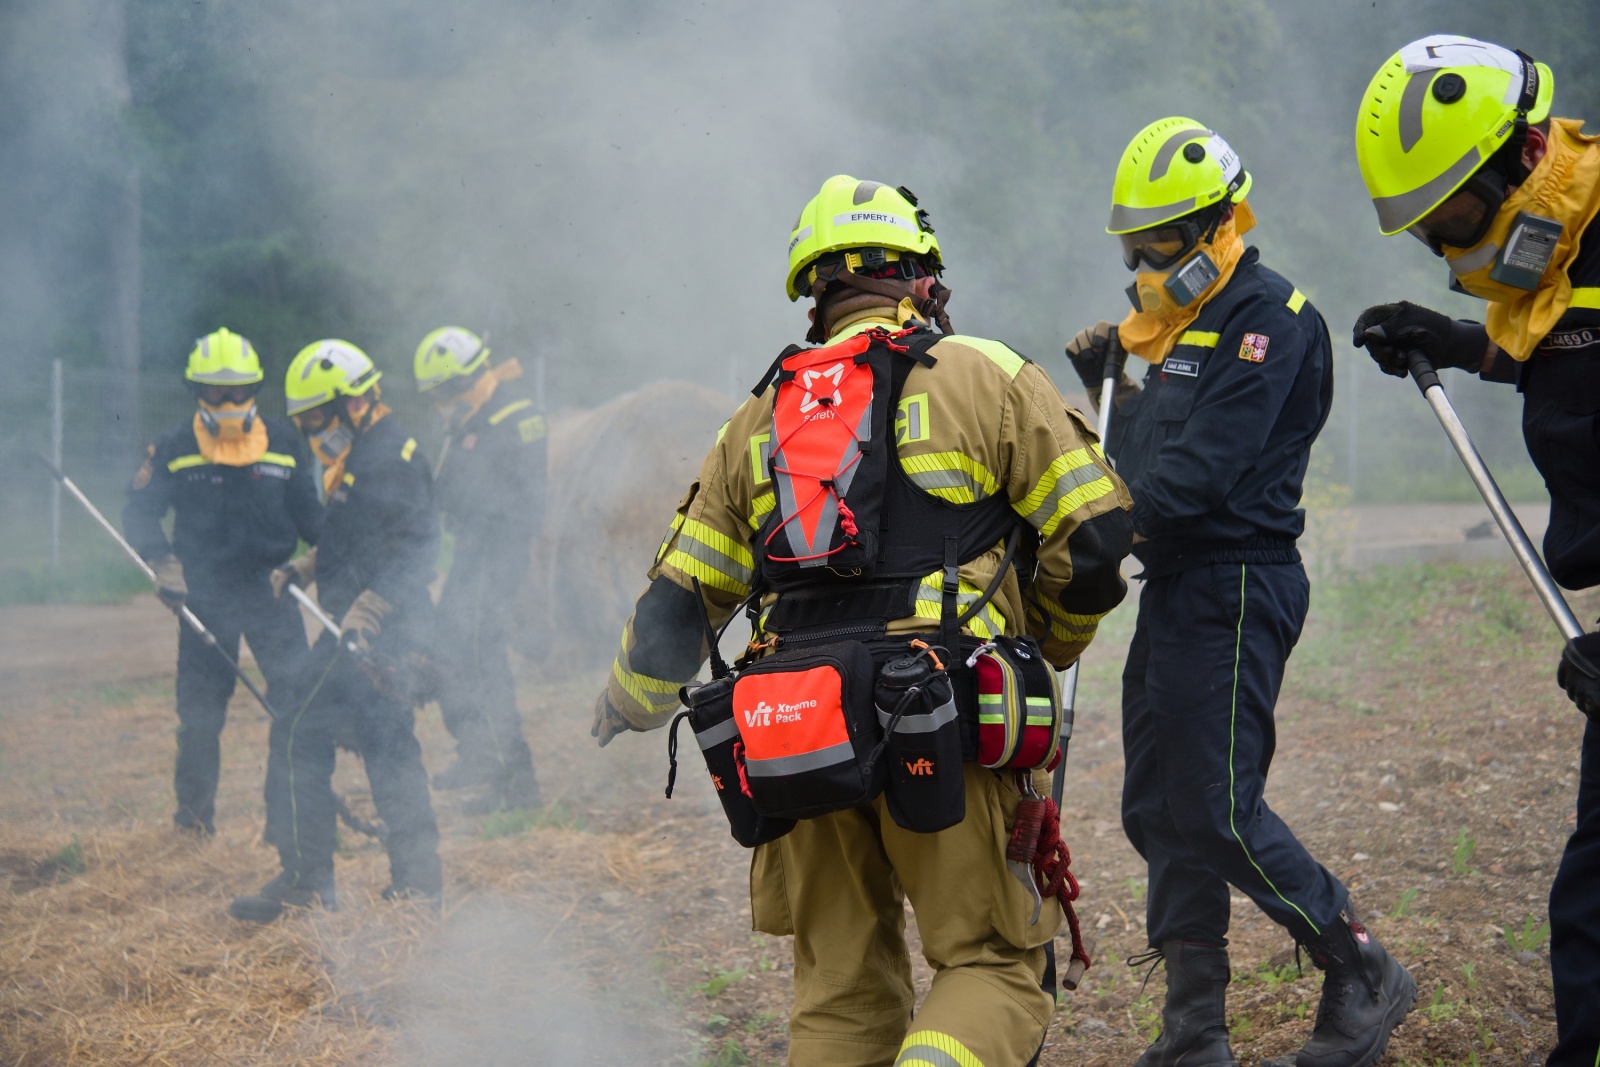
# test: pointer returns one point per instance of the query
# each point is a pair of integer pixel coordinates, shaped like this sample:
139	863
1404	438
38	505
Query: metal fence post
55	457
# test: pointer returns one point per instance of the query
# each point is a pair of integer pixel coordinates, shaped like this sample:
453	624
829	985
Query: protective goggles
226	394
1161	246
1465	216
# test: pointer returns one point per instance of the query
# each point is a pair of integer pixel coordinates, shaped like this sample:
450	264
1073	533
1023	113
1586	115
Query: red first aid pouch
1019	708
807	729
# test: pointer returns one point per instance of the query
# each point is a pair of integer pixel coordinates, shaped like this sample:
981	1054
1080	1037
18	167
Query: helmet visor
227	394
1459	222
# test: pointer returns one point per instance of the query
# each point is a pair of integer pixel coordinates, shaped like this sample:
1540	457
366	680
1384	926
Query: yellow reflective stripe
277	457
951	476
722	430
987	623
1200	338
186	461
408	449
509	410
758	457
929	1048
1296	301
1072	480
652	693
760	507
1587	297
717	559
1066	626
1001	356
666	542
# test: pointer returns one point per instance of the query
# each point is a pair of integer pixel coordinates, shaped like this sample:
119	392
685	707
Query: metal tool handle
309	602
1108	382
1427	380
182	610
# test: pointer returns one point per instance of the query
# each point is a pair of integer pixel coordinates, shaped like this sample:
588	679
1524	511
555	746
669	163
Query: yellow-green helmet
852	214
223	358
323	370
448	352
1173	167
1435	113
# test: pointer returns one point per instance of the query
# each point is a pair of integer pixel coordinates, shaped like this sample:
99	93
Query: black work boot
1194	1022
288	890
1365	995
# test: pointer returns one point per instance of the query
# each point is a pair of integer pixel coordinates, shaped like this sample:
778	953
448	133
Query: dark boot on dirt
1365	995
1194	1022
465	773
283	893
518	791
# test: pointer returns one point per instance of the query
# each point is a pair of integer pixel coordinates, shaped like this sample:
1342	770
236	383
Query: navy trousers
479	705
339	707
1575	923
1198	695
206	682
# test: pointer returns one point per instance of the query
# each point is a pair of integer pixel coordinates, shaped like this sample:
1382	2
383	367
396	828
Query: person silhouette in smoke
490	481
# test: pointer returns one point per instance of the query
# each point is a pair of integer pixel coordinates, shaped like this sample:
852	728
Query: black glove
1087	351
1389	331
1579	673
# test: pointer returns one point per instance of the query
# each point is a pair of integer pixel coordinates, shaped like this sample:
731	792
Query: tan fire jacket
982	421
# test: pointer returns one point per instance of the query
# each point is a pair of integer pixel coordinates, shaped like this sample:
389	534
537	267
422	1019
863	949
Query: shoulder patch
1254	347
531	429
1001	356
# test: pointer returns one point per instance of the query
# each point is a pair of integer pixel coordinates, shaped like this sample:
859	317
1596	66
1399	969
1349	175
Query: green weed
1461	857
1470	970
1439	1009
728	1054
509	822
1529	939
71	858
1239	1031
721	980
1402	907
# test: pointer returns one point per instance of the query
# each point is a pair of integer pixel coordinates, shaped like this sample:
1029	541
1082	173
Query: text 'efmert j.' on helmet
1435	113
448	352
323	370
223	358
852	214
1173	167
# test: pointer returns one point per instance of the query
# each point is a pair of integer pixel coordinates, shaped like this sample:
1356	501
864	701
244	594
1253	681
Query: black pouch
916	707
808	734
710	716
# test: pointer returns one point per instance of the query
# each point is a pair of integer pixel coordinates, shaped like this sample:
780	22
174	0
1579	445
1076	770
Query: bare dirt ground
1424	754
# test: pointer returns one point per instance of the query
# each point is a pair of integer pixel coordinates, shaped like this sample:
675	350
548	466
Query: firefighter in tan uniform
985	455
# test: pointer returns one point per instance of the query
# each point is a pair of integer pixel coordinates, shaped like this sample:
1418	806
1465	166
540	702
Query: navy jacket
491	484
1560	386
1215	447
382	529
231	525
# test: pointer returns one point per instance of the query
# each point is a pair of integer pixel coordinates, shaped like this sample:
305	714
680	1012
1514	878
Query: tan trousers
838	884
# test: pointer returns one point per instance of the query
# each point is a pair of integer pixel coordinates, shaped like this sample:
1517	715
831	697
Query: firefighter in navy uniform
1457	146
371	567
490	483
1214	448
242	494
981	436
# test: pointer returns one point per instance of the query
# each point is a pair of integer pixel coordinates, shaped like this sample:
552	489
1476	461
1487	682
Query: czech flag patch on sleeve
1254	347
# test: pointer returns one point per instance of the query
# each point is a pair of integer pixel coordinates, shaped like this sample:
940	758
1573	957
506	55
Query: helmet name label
847	218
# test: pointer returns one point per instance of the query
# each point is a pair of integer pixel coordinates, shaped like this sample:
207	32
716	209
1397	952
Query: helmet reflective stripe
223	358
1159	178
1435	113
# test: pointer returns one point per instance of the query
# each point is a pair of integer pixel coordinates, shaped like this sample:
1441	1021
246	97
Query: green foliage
70	858
727	1054
1439	1009
1402	907
511	821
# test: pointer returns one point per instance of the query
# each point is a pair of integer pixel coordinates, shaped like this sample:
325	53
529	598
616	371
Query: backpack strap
772	371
